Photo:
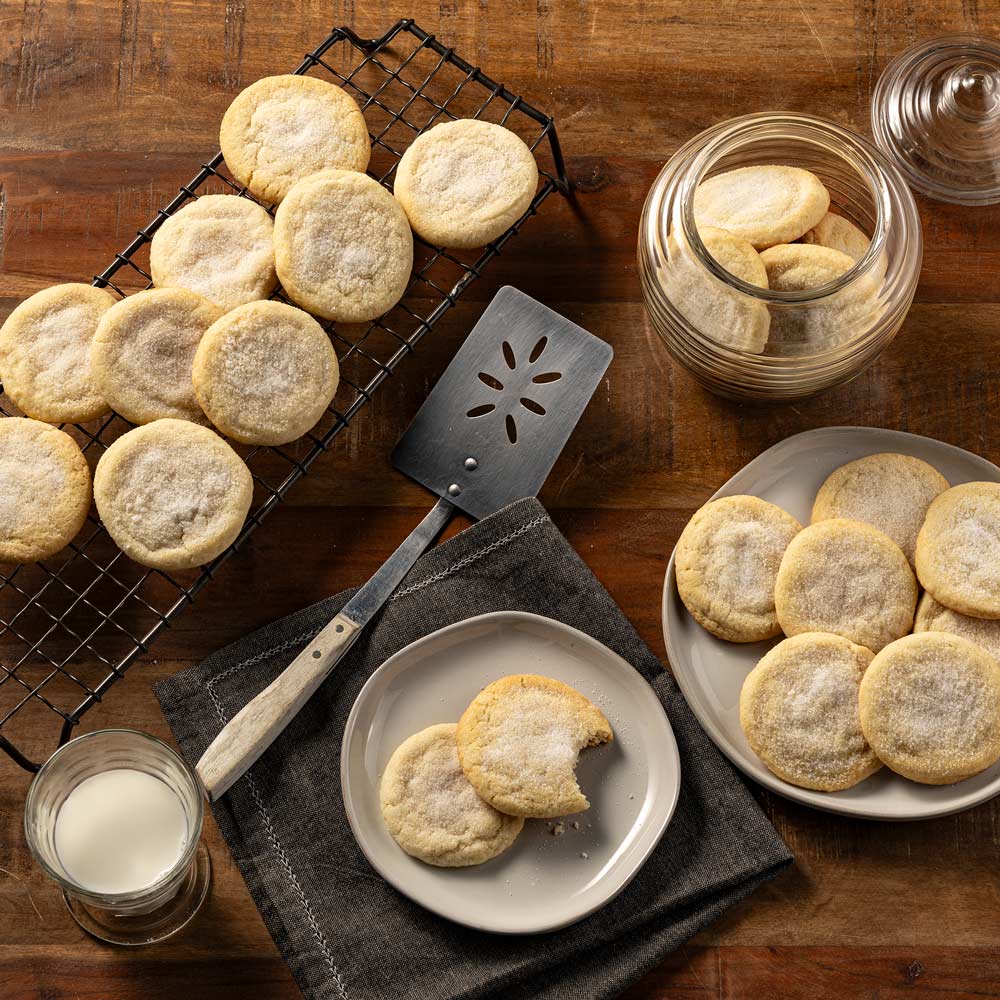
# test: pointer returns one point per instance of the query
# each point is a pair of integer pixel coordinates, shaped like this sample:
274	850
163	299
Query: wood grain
108	105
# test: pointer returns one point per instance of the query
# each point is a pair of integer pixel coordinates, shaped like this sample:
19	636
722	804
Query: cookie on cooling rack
44	490
930	708
799	712
284	128
172	494
143	351
265	373
848	578
343	247
726	563
432	811
220	246
463	183
519	741
45	353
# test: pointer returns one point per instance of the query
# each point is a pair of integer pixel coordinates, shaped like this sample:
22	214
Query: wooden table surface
107	105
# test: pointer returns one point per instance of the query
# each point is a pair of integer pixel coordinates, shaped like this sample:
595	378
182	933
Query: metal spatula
487	435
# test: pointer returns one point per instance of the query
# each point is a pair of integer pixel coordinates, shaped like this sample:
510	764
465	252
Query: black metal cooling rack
73	625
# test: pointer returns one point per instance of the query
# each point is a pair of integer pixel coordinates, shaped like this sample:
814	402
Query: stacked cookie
206	346
458	795
770	226
850	689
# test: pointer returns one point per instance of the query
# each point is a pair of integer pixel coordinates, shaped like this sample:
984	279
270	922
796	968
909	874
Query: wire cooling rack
71	626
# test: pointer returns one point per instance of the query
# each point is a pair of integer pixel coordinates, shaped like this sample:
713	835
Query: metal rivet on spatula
471	464
454	490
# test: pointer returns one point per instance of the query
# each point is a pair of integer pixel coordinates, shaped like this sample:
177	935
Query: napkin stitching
472	557
265	816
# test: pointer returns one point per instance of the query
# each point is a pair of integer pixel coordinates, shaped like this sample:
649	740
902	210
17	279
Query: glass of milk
115	818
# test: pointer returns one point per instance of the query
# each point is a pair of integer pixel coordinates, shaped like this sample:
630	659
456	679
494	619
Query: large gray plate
710	672
543	882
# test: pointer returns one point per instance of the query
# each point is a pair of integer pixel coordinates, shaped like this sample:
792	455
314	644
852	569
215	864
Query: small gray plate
543	882
710	671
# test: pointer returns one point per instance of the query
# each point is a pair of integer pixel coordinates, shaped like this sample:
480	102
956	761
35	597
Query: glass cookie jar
743	341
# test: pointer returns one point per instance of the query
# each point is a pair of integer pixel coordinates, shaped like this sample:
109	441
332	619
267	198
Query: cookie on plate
343	247
519	740
818	324
848	578
726	564
463	183
220	246
930	708
799	712
45	353
284	128
764	204
172	494
265	373
45	492
143	350
432	811
707	303
888	491
935	617
958	549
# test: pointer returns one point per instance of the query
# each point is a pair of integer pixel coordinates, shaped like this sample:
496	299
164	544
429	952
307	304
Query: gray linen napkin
347	934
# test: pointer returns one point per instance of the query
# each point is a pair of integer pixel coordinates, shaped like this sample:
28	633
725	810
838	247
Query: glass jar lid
936	113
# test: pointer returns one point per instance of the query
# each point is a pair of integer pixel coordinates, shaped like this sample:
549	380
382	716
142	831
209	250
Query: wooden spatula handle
254	728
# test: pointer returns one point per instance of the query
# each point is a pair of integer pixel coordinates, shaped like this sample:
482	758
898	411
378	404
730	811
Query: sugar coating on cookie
265	373
958	549
220	246
172	494
838	233
823	323
764	204
463	183
45	353
888	491
935	617
708	303
343	247
930	707
726	564
143	351
284	128
519	741
432	811
799	712
848	578
45	493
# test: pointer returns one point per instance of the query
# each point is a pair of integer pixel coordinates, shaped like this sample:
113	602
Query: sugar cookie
519	740
463	183
706	302
930	708
46	490
848	578
172	494
432	811
819	324
799	712
888	491
45	353
763	204
284	128
265	373
935	617
142	353
343	247
958	549
726	563
837	233
219	246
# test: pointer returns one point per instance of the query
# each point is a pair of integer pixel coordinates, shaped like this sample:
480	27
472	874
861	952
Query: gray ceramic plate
710	672
544	881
